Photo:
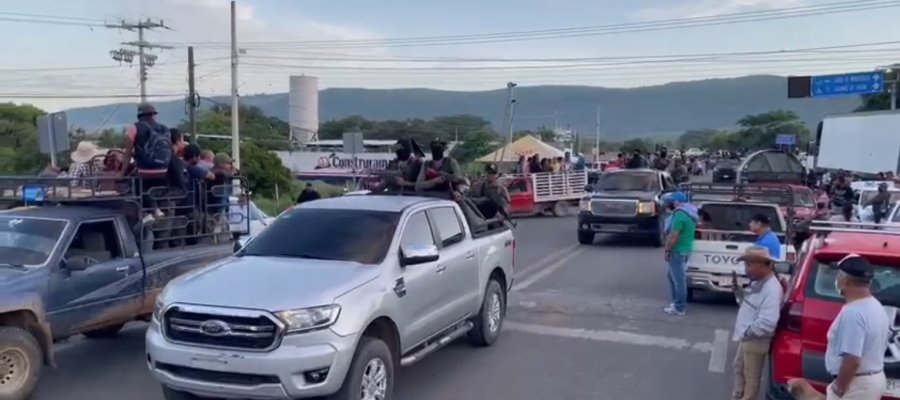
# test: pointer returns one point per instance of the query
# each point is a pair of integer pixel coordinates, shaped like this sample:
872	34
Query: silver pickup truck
330	300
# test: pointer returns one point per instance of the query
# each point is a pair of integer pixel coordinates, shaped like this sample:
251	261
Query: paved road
585	322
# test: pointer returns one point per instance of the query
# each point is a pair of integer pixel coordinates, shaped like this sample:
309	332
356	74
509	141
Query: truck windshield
28	241
802	198
642	181
341	235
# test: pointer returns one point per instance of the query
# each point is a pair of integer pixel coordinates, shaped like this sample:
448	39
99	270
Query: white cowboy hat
85	152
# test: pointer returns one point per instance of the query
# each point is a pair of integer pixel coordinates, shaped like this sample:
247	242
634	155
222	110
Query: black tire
104	333
586	237
172	394
560	209
484	334
369	349
20	350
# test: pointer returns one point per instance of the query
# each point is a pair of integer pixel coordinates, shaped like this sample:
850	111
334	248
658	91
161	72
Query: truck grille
614	208
240	332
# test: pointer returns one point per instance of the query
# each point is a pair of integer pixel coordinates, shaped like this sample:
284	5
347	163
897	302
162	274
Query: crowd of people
535	164
184	190
857	339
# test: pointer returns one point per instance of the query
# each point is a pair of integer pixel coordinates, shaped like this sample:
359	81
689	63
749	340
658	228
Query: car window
885	286
417	231
28	241
637	181
517	186
361	236
736	217
97	242
668	182
448	226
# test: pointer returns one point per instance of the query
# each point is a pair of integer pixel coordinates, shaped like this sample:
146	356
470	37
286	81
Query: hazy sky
284	37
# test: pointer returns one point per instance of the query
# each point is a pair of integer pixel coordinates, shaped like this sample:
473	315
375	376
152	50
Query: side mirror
418	254
75	263
784	268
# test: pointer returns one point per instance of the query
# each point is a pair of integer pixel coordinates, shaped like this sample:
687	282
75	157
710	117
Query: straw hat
85	152
757	253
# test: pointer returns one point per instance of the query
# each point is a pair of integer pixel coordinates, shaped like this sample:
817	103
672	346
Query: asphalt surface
584	322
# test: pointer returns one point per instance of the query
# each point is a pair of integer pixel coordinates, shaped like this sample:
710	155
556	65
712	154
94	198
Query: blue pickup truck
82	266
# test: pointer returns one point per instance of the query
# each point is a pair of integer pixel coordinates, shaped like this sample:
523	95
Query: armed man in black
490	195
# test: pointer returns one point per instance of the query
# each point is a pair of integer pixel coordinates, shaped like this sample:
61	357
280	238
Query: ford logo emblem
214	327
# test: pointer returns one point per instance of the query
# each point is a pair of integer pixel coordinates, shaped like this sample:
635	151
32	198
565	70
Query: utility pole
509	114
127	55
235	122
597	145
192	93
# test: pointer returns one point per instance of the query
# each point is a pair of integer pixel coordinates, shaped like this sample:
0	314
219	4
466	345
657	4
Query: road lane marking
621	337
531	280
719	354
545	260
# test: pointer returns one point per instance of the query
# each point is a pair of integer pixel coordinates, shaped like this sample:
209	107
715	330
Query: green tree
476	145
18	140
758	131
875	102
264	171
696	138
643	145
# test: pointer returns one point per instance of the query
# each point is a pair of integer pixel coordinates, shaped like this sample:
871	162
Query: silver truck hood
268	283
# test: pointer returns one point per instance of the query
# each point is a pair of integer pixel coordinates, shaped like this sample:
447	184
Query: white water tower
303	111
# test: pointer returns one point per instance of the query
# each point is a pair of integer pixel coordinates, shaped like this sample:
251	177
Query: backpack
155	150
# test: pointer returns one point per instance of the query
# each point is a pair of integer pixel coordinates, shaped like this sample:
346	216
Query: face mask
437	152
403	154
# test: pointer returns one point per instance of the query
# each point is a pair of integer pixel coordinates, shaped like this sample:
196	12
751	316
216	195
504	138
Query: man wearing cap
858	337
150	145
680	227
760	226
83	163
760	306
489	194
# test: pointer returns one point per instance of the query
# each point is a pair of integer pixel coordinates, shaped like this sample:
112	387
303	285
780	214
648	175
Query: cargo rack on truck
199	213
746	194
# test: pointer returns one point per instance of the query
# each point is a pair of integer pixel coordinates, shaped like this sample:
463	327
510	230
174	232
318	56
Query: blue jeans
677	275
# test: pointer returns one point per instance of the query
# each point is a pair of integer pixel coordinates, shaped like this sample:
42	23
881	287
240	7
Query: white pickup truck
722	237
330	300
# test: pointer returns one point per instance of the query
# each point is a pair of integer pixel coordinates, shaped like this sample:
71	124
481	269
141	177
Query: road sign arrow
876	77
876	86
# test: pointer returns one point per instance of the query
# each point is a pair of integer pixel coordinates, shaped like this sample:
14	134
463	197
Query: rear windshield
802	198
727	164
638	181
28	241
736	217
885	286
342	235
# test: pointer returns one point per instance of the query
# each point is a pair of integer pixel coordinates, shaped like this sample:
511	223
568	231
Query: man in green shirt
680	228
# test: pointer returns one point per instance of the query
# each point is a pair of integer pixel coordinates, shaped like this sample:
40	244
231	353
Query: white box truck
867	142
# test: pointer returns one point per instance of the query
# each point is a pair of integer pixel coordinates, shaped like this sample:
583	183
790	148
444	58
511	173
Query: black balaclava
437	149
403	149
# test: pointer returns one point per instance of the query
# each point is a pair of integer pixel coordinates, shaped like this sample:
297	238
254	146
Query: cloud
707	8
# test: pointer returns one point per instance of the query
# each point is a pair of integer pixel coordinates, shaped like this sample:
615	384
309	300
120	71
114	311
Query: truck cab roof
372	202
71	213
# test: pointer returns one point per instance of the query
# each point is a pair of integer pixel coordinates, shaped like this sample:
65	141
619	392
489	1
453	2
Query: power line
81	96
62	17
53	22
665	24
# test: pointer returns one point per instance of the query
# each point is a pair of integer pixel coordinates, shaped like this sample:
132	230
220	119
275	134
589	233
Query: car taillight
792	320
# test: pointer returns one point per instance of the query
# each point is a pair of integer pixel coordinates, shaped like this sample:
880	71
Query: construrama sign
351	164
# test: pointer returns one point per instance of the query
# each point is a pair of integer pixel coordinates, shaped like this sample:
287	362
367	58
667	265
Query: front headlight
157	309
584	205
308	319
646	207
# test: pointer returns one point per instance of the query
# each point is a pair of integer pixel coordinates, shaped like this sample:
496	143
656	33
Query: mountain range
649	111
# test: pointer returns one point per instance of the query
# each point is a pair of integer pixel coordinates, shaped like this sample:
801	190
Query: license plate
615	228
893	388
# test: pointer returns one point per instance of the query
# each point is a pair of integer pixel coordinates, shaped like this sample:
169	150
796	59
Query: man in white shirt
858	337
756	321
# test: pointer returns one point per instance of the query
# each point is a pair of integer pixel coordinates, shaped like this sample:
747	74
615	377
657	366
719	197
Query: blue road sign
847	84
786	139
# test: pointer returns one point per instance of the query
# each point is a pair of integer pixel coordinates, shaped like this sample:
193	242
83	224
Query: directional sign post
786	139
851	84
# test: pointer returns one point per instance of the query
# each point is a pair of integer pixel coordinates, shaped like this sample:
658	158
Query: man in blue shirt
759	225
